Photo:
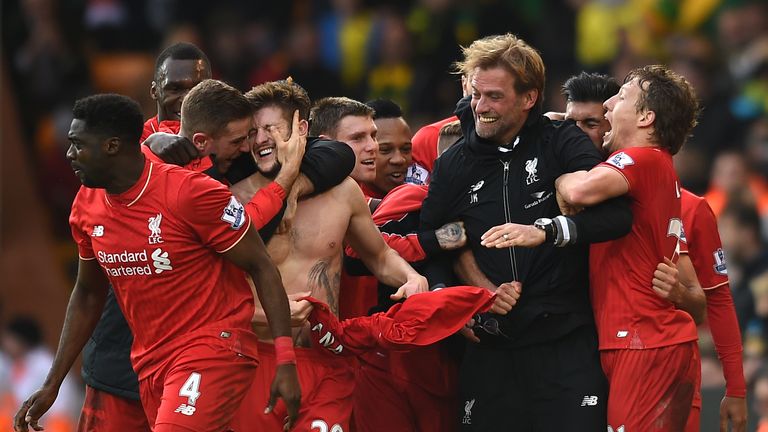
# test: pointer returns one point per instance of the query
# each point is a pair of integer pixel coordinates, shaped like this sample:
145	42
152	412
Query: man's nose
397	158
372	145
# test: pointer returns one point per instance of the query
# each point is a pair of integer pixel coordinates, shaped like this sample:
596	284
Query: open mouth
368	162
487	119
262	153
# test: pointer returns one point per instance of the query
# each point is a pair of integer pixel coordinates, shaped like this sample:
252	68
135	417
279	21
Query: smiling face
174	80
394	155
623	117
499	110
359	132
589	117
264	147
86	155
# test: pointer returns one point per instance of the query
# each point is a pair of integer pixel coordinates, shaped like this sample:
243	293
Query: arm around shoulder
587	188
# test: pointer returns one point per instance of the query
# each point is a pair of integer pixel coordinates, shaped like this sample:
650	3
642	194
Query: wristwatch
548	226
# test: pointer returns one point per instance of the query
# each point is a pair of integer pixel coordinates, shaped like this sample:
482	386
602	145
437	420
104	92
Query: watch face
543	221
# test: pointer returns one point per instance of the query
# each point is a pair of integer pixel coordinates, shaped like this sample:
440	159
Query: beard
272	172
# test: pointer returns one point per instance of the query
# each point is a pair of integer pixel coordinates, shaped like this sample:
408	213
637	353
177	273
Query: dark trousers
556	385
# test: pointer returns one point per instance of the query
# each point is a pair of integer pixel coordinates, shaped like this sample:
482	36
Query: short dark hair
672	99
111	115
590	87
180	51
27	330
211	105
328	112
385	108
285	94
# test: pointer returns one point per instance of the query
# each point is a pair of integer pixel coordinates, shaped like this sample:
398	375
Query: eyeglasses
489	325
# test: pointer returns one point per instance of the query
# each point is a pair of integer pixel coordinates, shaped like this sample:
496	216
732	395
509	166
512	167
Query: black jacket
106	356
483	185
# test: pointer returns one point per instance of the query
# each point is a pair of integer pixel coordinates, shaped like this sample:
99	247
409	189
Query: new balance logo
589	401
98	231
185	409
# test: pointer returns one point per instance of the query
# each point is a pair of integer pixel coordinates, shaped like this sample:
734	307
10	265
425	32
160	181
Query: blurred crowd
58	51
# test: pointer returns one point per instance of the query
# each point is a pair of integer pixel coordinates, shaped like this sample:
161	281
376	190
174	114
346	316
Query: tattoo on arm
320	281
450	236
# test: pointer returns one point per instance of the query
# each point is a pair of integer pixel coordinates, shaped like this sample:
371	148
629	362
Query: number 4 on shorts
191	388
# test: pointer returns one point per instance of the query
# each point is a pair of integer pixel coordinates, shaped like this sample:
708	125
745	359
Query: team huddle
283	264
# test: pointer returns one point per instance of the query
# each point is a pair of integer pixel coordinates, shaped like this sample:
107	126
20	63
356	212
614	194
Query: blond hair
511	53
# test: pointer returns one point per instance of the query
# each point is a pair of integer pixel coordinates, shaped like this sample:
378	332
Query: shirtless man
309	257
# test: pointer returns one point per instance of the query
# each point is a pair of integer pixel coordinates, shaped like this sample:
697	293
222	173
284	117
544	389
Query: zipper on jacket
508	217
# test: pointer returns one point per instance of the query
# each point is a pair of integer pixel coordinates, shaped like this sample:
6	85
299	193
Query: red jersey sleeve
705	250
724	326
636	165
149	155
425	146
169	126
396	206
214	214
81	233
265	204
150	127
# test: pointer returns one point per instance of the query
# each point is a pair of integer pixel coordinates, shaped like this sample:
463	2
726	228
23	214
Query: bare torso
309	253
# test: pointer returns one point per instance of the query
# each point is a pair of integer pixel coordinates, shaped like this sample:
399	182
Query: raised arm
83	312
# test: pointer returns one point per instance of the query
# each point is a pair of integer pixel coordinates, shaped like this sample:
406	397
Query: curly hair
672	99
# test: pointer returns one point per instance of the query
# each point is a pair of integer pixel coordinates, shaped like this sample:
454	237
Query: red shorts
385	401
199	389
651	389
326	393
694	419
105	412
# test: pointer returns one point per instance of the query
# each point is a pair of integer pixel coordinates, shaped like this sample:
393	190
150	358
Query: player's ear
111	145
153	90
200	141
529	98
646	119
303	127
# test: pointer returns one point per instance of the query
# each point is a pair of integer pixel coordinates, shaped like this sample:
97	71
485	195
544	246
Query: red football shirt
702	244
702	241
628	314
265	204
425	151
151	126
160	243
